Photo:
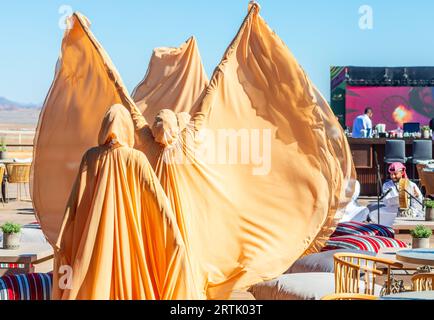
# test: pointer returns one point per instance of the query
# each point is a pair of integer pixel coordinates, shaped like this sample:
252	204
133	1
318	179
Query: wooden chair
423	282
2	173
349	268
420	173
349	296
19	173
428	177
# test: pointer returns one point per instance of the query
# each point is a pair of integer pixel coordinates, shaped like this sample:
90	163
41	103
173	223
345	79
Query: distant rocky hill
8	105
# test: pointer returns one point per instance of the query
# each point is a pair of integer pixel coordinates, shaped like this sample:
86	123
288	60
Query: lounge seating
423	282
19	173
350	267
295	286
363	243
363	229
33	286
319	262
298	286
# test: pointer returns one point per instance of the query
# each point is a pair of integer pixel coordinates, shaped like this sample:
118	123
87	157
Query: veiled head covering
117	127
165	128
396	167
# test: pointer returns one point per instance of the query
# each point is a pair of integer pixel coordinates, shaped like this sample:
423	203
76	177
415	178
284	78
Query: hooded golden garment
275	169
119	234
85	85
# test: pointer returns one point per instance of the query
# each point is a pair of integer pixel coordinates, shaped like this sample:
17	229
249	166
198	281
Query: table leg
4	190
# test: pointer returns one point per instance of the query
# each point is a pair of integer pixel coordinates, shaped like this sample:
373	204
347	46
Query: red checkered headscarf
396	167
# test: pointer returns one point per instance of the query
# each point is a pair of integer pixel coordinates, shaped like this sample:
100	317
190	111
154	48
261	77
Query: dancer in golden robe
247	214
119	236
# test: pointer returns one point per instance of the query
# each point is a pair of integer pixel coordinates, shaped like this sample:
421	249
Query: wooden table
30	258
407	224
423	257
390	254
411	295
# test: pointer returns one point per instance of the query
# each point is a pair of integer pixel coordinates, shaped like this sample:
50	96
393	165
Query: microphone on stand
385	195
379	185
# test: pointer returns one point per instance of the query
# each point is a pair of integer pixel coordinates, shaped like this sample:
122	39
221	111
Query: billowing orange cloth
248	216
119	234
85	85
164	84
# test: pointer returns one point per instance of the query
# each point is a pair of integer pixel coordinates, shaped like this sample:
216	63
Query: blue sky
320	33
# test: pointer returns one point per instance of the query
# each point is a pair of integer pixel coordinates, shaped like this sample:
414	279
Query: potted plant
421	236
11	235
426	132
3	151
429	209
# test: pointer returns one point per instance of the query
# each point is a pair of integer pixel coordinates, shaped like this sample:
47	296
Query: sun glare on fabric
402	115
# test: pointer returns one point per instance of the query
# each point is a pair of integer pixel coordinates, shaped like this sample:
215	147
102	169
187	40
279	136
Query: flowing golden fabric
241	227
119	234
245	227
85	85
164	84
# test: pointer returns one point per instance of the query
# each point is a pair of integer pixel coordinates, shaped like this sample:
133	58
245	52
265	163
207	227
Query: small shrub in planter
426	132
429	209
11	235
421	236
3	151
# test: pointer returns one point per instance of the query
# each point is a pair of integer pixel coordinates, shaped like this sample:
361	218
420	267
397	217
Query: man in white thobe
362	126
389	212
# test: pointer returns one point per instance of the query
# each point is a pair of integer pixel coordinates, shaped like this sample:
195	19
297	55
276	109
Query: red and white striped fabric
363	243
13	266
363	229
32	286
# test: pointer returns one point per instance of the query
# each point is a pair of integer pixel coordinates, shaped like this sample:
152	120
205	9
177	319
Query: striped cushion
363	243
33	225
13	266
32	286
362	229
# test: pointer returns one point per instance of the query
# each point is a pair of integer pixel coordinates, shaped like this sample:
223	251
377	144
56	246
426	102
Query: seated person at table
391	192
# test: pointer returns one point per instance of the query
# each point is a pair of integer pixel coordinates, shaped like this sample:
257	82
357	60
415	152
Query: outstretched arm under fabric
138	119
205	109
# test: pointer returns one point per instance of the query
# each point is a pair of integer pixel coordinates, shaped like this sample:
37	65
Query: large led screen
392	106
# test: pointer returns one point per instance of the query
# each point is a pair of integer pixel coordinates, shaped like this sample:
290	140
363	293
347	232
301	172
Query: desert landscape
17	126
